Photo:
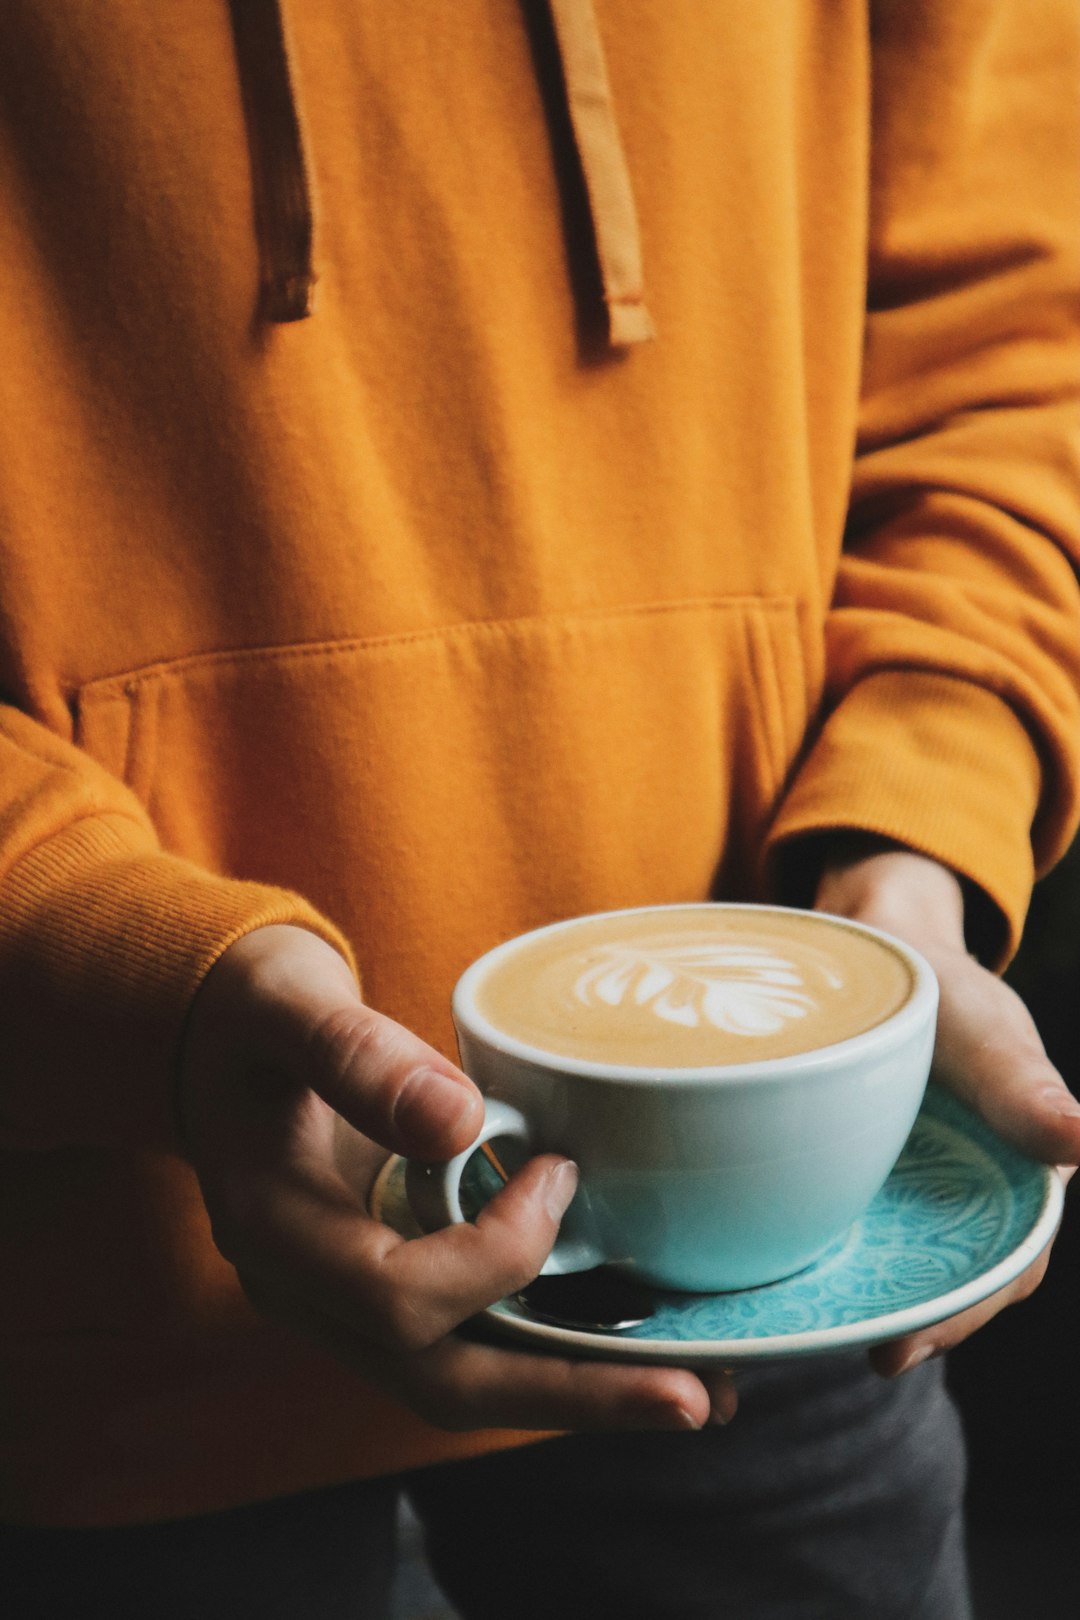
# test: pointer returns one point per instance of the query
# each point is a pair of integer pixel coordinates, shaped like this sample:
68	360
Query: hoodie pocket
436	792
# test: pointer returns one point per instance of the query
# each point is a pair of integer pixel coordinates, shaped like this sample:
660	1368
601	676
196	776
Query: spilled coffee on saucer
693	988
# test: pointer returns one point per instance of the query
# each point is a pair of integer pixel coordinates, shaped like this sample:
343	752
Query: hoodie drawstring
280	184
604	167
282	189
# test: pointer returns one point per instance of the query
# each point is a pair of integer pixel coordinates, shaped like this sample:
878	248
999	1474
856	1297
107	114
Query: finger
989	1053
464	1384
460	1384
385	1081
283	1012
391	1086
312	1237
723	1395
901	1355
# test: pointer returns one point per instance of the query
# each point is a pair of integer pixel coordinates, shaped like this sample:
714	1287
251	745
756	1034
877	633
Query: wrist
877	881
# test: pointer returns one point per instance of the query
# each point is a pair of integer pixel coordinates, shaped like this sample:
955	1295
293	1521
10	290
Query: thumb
989	1052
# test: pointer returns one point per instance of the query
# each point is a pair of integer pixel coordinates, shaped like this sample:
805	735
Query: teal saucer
961	1215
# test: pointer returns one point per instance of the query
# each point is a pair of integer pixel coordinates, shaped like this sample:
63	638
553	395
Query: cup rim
919	1008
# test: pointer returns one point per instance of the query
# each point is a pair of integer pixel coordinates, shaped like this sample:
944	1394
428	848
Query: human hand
988	1051
290	1091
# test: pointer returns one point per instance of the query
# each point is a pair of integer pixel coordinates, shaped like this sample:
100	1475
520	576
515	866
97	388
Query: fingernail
723	1410
916	1357
561	1186
431	1104
671	1417
684	1419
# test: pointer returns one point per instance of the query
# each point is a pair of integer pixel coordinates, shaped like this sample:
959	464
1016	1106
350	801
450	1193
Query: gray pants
832	1496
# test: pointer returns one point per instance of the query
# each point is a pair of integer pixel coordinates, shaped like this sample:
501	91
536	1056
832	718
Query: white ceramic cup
703	1179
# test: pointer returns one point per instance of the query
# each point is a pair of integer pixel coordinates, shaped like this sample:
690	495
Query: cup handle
434	1194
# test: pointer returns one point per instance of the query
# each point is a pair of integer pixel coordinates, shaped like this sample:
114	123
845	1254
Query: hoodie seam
126	680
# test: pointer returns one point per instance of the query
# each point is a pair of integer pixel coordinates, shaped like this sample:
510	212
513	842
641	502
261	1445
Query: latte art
695	986
745	990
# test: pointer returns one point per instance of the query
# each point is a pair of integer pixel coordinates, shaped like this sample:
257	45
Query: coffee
692	987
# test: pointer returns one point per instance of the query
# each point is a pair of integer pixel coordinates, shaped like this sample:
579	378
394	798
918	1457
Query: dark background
1018	1381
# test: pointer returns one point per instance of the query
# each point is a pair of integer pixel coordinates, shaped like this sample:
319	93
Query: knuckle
411	1329
342	1043
510	1279
517	1262
401	1322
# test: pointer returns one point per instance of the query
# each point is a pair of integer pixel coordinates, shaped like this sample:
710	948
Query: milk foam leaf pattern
742	989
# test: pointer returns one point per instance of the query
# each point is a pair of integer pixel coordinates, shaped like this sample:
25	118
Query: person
464	466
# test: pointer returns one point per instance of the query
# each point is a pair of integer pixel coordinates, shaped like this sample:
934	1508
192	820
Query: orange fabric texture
434	617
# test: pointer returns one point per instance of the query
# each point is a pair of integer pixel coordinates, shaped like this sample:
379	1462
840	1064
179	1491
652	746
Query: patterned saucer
961	1215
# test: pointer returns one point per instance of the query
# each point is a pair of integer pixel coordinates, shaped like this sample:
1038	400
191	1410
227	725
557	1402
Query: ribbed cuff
103	942
937	763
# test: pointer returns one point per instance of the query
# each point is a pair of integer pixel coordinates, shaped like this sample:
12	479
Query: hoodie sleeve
952	706
104	939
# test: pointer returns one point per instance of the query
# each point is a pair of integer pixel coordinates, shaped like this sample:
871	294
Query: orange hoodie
359	543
